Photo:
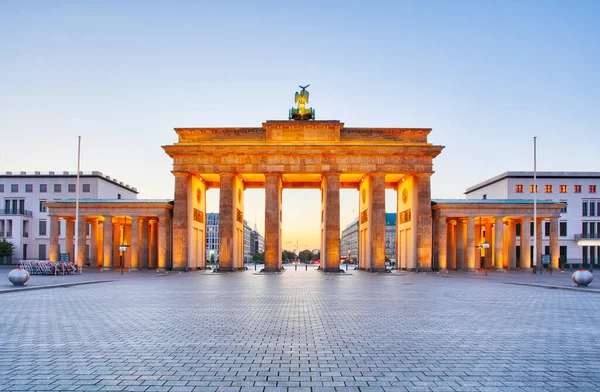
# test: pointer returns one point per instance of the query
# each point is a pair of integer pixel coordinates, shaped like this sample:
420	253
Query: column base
333	270
272	270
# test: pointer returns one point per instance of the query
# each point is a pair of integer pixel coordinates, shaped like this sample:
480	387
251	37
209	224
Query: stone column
424	229
93	243
69	238
539	243
145	253
378	222
226	222
512	244
273	188
470	243
498	245
525	243
152	244
554	245
135	243
181	217
330	259
162	243
81	242
460	244
452	245
108	244
53	238
442	244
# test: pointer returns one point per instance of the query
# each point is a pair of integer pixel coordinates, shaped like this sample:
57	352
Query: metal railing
11	211
587	236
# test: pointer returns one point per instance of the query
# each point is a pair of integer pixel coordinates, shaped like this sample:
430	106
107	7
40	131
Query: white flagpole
535	258
77	263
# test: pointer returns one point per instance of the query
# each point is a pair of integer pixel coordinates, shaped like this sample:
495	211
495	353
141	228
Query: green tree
6	249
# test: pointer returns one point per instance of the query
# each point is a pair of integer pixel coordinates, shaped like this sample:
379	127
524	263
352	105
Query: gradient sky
487	76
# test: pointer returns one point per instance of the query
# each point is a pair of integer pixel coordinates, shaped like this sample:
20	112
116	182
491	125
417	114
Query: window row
561	188
14	188
590	208
562	229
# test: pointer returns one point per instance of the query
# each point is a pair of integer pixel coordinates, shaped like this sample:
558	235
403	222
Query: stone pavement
301	331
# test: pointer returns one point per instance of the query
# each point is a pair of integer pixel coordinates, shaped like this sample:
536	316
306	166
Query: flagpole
79	265
535	258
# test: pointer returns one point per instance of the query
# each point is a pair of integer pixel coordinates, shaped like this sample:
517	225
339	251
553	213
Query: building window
86	188
548	188
531	189
42	252
519	188
42	230
71	188
577	188
57	188
14	188
547	229
592	188
43	188
563	189
28	188
584	208
42	206
562	227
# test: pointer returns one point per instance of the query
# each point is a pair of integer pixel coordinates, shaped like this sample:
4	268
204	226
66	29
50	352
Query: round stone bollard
582	277
18	276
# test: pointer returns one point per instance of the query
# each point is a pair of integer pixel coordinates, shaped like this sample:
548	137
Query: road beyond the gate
300	331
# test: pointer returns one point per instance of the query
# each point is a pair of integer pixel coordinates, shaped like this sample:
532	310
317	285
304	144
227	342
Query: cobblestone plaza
300	331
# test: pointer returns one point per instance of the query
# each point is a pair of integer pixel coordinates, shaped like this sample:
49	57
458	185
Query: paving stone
300	332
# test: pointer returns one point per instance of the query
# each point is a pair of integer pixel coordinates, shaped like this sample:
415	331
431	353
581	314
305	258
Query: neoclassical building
324	155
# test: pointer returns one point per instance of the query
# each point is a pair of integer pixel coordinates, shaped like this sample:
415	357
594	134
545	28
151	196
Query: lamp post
122	248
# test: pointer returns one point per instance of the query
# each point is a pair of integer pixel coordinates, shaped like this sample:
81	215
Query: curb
545	286
52	286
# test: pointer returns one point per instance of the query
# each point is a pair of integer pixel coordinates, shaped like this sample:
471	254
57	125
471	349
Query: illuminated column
554	246
145	254
525	243
442	244
273	194
108	244
93	243
498	244
539	243
452	245
69	238
460	244
424	235
330	190
81	242
162	243
181	217
226	222
470	243
512	244
135	243
54	238
152	246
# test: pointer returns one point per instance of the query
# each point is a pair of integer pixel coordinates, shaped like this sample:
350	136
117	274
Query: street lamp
123	248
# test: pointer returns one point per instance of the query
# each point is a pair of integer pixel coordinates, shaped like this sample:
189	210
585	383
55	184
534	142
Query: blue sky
487	76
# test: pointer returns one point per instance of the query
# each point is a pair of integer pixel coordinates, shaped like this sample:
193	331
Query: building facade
24	220
349	239
579	222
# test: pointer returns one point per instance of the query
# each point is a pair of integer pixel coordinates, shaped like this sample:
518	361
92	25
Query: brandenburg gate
302	152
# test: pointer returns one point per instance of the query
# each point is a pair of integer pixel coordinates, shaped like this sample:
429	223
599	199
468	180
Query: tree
6	249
